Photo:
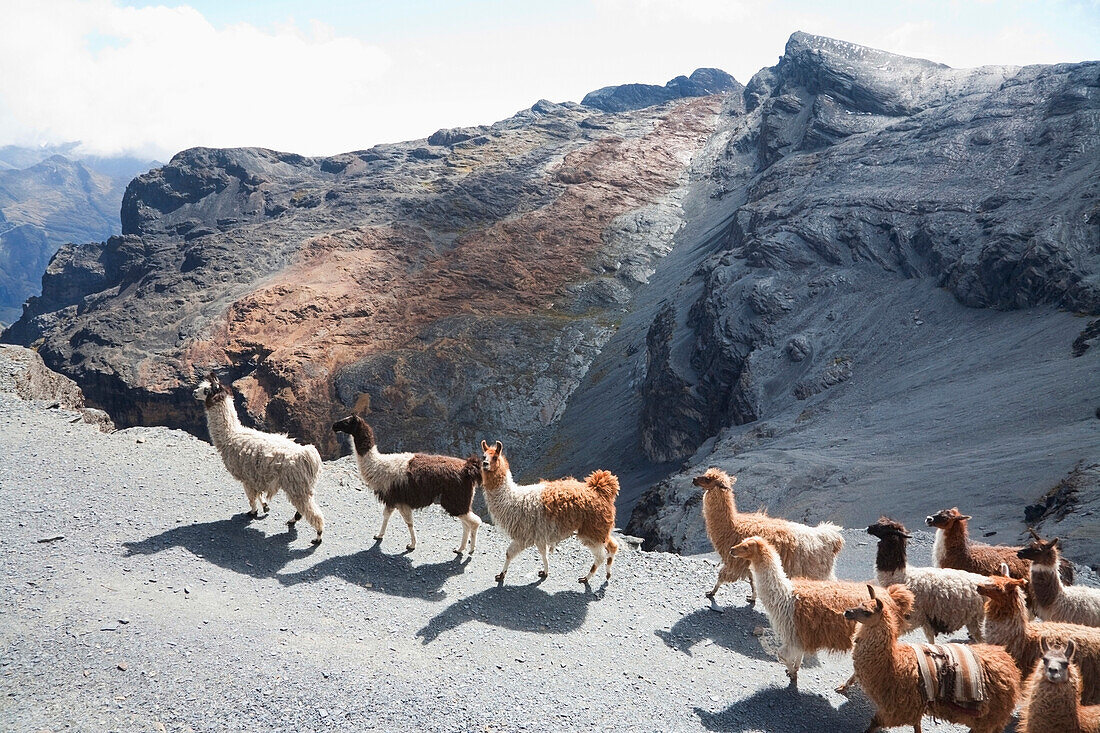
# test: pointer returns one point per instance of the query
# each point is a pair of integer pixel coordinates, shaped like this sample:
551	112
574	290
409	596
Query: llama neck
499	479
719	505
222	420
771	582
368	459
363	443
1006	625
890	556
499	489
874	654
956	539
1046	584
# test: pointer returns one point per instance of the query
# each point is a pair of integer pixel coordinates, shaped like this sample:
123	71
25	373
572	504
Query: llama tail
903	597
605	483
312	460
831	537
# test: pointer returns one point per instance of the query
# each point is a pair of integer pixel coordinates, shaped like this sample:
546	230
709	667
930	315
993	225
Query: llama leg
717	583
929	632
294	520
465	536
612	548
975	631
470	523
513	549
253	501
475	522
387	510
545	572
268	497
792	657
752	592
407	515
598	557
313	515
843	689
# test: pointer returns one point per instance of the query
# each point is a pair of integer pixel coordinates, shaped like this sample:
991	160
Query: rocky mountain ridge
413	281
856	284
49	197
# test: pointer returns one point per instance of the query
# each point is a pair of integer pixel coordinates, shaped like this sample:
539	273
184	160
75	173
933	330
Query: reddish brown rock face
361	291
422	270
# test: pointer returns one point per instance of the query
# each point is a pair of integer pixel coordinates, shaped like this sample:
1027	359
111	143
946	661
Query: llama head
471	470
752	548
1040	551
1056	660
890	607
211	391
946	518
714	478
1003	596
868	612
358	429
492	458
886	528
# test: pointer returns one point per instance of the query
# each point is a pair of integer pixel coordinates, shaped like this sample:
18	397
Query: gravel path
160	607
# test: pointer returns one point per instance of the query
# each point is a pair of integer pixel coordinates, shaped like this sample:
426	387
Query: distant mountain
48	199
863	283
628	97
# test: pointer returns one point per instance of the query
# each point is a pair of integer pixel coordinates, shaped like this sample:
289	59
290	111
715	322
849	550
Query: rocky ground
138	596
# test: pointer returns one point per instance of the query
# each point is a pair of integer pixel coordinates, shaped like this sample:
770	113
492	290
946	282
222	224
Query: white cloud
160	79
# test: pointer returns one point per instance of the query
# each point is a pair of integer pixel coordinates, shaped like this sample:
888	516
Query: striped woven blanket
950	673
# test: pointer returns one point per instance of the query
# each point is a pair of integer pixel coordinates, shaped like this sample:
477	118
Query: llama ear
1033	533
878	605
1004	570
1044	645
871	590
500	447
1071	647
484	446
1056	542
965	517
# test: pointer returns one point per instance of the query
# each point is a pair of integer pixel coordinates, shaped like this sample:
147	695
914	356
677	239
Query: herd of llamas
1036	636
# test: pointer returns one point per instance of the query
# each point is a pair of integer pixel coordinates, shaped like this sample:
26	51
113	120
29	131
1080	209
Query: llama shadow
730	630
786	710
394	575
233	544
518	607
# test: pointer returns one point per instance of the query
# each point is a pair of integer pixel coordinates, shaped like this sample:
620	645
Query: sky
320	78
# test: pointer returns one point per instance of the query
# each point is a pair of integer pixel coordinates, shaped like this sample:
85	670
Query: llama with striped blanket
890	672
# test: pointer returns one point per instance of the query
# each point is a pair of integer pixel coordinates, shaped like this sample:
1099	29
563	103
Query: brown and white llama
953	549
946	599
888	671
1051	600
808	615
262	462
1007	624
807	552
544	513
410	481
1053	698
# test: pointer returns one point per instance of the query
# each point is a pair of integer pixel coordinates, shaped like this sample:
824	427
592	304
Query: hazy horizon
320	79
